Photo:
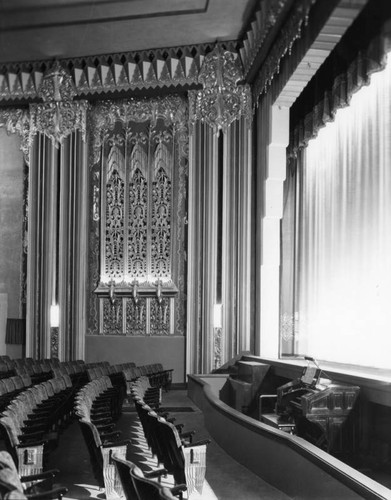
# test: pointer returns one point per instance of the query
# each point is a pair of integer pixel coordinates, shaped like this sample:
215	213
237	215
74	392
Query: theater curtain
337	261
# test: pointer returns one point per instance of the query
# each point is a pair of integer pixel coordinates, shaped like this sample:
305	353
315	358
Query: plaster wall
11	216
168	350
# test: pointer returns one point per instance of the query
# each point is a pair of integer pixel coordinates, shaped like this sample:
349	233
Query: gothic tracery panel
138	214
142	162
161	215
114	220
160	316
112	317
136	317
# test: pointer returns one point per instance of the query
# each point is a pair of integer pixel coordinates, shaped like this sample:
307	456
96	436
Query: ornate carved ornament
59	115
57	85
100	75
222	100
57	120
18	121
172	109
289	33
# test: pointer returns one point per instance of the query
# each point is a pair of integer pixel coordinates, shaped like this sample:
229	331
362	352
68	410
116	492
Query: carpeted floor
225	478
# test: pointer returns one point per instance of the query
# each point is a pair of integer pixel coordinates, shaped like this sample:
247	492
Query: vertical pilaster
193	254
274	137
210	227
202	248
245	328
42	254
81	265
72	263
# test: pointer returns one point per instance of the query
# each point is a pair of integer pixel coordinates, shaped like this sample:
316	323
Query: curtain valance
360	52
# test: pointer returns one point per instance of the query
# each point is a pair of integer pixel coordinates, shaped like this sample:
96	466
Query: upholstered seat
12	488
100	457
140	486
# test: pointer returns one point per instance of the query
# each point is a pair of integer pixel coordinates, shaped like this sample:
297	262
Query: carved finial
57	85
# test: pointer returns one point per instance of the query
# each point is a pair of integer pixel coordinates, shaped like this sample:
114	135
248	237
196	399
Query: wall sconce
135	292
112	295
159	291
54	316
218	316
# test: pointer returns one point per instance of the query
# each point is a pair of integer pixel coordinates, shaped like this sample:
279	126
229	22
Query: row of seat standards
96	406
174	448
37	402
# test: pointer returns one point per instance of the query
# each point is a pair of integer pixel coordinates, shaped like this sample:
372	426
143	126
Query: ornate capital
59	115
222	100
57	120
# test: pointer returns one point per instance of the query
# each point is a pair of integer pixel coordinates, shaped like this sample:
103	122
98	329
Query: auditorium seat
140	486
100	457
38	487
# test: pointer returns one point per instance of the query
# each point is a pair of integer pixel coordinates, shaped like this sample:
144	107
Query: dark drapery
361	51
15	331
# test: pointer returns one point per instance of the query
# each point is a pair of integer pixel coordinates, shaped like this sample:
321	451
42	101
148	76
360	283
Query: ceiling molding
33	16
335	27
104	75
265	18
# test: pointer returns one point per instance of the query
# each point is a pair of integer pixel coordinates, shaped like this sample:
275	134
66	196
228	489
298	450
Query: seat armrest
113	435
116	443
197	443
55	493
43	475
178	489
156	473
187	434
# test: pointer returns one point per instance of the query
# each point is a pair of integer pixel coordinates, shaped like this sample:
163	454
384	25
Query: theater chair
185	461
100	457
143	389
140	486
12	488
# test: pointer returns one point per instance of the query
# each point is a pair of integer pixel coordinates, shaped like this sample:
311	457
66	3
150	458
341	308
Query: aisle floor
226	479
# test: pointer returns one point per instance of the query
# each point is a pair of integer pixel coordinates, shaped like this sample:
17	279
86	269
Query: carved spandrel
54	340
136	317
112	317
160	317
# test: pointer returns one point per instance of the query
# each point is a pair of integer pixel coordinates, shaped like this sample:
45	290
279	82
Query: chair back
123	468
10	484
147	489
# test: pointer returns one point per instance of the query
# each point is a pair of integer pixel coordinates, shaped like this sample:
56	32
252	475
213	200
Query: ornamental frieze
102	75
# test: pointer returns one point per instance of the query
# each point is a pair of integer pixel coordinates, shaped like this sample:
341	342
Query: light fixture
218	316
222	99
54	316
